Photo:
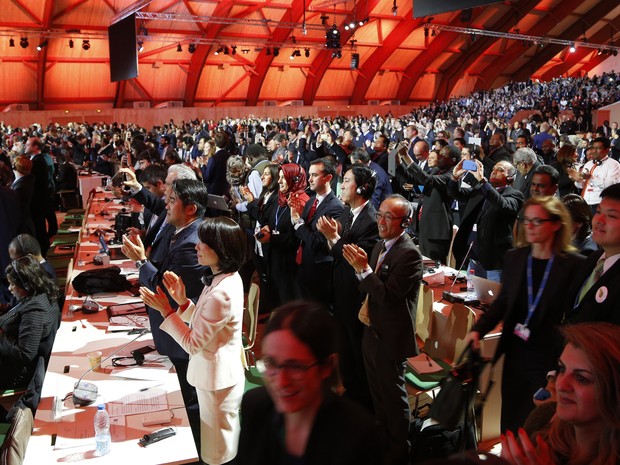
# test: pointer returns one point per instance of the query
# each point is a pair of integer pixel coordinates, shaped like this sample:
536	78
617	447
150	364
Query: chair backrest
424	312
448	341
250	318
14	447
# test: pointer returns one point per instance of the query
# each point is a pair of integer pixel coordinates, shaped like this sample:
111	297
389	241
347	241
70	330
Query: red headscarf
296	179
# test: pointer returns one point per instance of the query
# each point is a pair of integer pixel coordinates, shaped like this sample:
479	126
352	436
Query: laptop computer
486	290
218	202
114	253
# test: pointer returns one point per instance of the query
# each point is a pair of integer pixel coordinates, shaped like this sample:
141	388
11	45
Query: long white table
65	433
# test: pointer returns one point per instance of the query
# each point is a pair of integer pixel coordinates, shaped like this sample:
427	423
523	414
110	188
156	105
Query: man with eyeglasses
597	174
391	281
526	162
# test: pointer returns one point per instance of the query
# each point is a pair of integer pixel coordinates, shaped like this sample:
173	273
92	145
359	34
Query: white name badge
522	331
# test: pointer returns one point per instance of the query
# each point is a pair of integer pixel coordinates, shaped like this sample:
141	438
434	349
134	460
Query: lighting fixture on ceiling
70	43
296	53
572	47
219	50
307	53
226	51
86	44
233	50
276	51
11	42
191	48
324	19
337	54
42	45
23	42
245	51
268	52
179	48
140	45
395	9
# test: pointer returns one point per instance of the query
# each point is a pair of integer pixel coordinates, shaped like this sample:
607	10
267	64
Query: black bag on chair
453	409
98	280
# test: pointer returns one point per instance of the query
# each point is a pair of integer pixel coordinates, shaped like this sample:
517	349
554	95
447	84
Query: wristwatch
139	263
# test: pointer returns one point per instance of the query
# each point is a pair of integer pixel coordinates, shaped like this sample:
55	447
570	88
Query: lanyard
530	288
279	215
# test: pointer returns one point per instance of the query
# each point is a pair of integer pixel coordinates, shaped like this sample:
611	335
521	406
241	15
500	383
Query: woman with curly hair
586	426
27	330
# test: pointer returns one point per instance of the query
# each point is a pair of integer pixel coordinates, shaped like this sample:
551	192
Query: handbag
458	390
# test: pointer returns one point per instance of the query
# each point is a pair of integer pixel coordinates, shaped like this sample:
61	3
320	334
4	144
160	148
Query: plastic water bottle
470	280
102	431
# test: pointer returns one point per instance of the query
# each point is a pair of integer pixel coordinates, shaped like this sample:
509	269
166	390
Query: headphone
361	190
23	284
406	221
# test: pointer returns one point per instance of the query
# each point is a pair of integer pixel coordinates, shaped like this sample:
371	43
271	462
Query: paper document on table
152	400
423	364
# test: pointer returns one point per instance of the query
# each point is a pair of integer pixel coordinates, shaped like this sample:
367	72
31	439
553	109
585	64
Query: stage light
191	48
23	42
307	52
70	43
234	49
140	45
86	44
276	51
268	52
572	47
11	42
219	50
179	48
245	51
226	52
42	45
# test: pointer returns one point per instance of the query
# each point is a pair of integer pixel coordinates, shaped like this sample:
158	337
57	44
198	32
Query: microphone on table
85	393
447	295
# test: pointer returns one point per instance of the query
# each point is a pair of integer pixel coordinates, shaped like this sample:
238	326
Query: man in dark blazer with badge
391	281
357	225
313	258
596	288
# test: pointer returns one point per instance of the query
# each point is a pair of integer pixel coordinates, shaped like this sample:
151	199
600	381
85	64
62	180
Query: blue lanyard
279	215
530	288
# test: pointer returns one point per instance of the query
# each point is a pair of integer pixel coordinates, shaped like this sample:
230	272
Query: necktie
382	255
346	231
592	279
311	212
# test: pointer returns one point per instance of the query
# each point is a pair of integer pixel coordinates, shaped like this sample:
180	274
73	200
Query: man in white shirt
597	174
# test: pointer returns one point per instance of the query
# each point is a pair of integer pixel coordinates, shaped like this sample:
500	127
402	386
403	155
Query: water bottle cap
101	407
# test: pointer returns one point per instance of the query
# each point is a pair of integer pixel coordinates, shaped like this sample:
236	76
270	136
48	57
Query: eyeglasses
535	221
296	370
387	216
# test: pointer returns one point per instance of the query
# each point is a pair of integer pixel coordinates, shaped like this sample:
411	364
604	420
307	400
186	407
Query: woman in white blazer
213	337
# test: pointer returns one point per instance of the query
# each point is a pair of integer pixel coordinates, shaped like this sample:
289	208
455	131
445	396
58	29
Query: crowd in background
322	201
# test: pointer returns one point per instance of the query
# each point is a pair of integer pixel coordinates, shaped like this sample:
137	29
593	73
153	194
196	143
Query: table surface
65	433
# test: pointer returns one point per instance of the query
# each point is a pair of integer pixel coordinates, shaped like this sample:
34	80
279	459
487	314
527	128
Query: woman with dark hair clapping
213	337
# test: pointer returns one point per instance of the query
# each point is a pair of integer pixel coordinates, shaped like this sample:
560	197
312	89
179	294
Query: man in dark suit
313	258
434	214
526	162
383	187
596	290
186	204
391	280
38	208
497	153
356	225
214	174
23	185
488	220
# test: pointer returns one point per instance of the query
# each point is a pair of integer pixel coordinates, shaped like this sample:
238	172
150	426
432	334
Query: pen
151	387
119	330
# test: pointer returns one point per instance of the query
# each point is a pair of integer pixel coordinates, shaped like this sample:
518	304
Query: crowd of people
340	211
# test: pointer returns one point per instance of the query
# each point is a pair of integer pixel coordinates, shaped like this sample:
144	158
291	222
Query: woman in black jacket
531	305
27	330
